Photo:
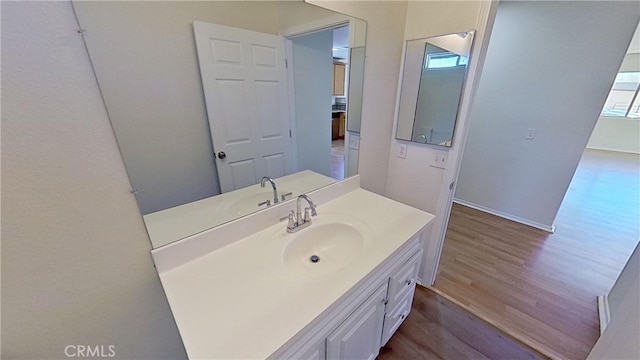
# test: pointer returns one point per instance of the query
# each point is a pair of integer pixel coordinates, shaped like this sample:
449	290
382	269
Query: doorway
339	95
321	105
541	286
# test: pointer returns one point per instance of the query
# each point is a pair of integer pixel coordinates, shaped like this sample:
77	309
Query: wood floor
539	287
337	159
438	329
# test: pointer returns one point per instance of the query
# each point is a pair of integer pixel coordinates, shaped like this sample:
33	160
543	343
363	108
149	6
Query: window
623	100
445	60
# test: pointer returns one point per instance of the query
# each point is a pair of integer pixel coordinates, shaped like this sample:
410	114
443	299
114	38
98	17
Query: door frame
435	243
328	23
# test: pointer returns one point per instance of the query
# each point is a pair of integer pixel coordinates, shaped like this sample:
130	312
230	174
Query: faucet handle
266	202
313	209
308	214
292	221
284	218
284	196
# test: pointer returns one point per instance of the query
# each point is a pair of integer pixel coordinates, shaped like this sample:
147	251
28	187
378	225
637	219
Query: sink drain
314	258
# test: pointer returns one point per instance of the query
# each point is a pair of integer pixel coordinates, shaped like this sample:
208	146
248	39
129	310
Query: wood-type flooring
539	287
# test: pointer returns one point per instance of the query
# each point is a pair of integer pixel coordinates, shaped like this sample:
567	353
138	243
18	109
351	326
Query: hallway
539	287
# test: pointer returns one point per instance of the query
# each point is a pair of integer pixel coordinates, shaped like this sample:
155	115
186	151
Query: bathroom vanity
249	289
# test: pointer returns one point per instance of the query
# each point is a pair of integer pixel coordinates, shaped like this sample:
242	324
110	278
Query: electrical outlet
402	151
354	143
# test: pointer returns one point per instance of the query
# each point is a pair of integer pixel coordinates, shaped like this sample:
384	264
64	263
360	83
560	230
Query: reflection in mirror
356	84
432	84
186	138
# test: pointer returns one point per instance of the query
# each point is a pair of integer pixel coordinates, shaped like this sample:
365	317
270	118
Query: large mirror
209	100
432	83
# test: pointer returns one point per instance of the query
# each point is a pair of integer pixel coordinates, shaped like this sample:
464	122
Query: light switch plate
439	159
531	134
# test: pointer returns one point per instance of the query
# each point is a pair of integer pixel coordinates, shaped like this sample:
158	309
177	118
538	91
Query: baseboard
603	312
547	228
613	150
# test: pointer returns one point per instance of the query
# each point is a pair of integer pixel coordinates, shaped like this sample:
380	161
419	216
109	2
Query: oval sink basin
331	242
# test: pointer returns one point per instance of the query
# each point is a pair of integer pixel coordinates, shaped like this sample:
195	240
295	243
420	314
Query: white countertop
169	225
233	304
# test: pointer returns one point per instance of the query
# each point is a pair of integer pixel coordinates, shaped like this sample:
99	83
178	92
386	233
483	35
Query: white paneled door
244	80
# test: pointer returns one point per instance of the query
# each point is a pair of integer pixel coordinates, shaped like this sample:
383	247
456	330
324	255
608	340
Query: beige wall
411	180
76	268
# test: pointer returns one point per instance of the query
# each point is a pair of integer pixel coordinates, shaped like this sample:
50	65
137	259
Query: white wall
629	276
542	71
617	133
620	338
76	268
385	29
312	55
631	61
145	58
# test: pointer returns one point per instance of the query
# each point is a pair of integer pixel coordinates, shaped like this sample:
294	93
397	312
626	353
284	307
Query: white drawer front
403	280
394	318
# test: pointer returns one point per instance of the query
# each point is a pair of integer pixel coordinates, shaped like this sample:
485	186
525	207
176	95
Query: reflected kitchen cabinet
338	120
339	73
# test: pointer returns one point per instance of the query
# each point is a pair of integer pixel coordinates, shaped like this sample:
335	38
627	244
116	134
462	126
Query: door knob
222	155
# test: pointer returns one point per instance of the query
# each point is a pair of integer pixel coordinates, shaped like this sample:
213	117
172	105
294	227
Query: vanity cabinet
402	285
316	352
358	337
361	325
343	307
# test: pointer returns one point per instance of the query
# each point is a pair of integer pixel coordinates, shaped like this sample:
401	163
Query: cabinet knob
222	155
408	282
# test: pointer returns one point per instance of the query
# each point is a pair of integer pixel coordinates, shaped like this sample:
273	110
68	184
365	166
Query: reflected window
623	99
445	60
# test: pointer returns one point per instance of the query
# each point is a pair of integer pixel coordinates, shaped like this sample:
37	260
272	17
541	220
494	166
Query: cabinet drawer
403	280
394	318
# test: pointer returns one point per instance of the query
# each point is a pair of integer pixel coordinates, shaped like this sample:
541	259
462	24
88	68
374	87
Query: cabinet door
358	337
315	352
339	73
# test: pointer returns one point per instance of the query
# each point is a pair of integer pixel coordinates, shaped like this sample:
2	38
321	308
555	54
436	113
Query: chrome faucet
297	221
273	185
